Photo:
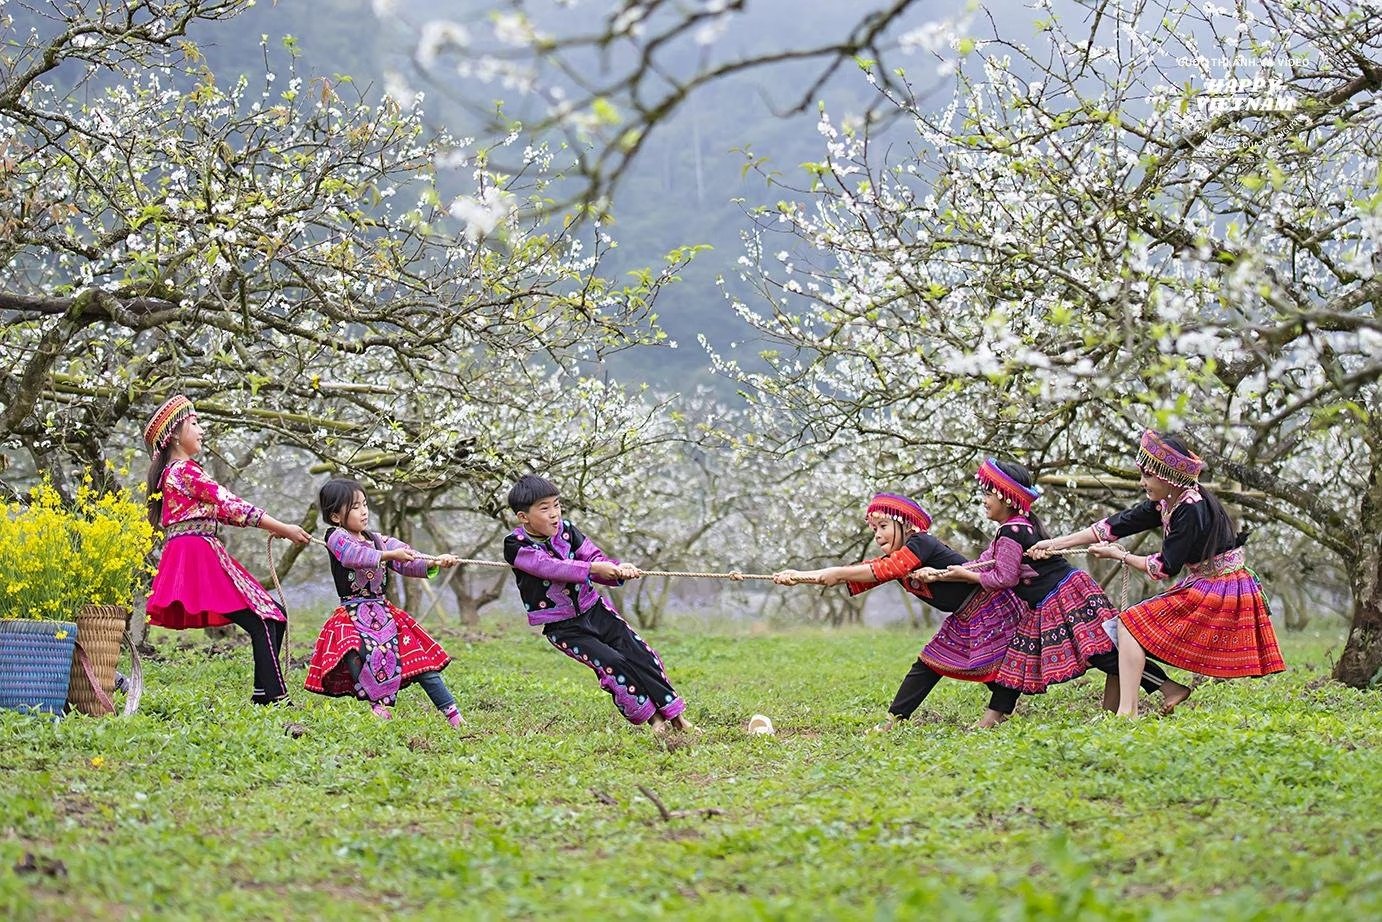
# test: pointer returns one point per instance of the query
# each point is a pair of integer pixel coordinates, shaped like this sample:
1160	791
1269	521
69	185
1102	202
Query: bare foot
1132	715
990	719
1173	694
1110	702
658	724
685	726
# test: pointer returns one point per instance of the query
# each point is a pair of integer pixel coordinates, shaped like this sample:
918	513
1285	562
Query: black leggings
922	678
266	639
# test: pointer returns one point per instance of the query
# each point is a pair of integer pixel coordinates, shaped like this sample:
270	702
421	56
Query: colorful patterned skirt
395	650
971	642
198	583
1055	639
1215	622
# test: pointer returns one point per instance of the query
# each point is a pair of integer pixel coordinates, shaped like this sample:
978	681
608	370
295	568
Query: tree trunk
1360	665
469	602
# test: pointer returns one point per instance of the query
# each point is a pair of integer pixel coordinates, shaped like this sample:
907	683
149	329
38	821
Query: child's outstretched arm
544	566
603	568
1006	572
405	561
826	576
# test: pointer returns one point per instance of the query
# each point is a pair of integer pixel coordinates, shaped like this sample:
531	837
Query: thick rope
692	574
284	656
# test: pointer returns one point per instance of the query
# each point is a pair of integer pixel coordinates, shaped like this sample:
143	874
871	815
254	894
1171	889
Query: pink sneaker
453	717
380	711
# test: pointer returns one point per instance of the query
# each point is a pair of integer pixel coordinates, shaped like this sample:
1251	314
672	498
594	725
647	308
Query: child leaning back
556	567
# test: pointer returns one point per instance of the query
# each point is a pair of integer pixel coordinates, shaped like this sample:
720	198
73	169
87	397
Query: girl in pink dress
198	583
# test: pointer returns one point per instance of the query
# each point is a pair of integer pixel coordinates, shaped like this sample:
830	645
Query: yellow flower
98	761
59	634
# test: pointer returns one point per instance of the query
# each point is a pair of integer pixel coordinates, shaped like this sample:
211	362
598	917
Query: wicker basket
99	630
35	663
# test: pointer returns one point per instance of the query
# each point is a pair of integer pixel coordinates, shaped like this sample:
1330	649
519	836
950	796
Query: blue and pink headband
1020	497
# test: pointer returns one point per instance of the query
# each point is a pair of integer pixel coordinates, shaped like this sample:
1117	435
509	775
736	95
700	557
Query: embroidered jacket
553	576
357	566
189	492
923	550
1032	580
1185	529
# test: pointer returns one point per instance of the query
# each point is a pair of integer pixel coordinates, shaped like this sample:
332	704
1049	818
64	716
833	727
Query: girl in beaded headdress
1214	619
1060	634
974	635
198	583
369	647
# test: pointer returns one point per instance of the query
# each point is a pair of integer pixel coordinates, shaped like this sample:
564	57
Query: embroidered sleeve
582	548
1156	568
1143	517
532	560
418	568
352	554
858	588
894	566
195	482
1007	569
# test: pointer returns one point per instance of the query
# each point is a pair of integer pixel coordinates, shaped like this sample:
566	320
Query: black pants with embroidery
624	664
266	639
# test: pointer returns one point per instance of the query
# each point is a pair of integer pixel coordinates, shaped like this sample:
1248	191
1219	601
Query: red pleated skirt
1214	622
328	674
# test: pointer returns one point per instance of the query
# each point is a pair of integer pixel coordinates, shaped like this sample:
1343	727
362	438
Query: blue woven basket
35	664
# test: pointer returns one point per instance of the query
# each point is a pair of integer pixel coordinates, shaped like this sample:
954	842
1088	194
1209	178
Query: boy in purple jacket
556	567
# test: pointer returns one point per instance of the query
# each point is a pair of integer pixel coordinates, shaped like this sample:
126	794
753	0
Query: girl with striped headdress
1214	620
198	583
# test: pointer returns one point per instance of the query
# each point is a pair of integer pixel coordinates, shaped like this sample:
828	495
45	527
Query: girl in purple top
556	567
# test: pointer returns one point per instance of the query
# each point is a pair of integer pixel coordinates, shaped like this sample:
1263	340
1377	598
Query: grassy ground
1262	799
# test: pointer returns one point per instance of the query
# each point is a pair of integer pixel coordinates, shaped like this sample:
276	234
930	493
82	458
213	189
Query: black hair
336	496
529	489
1023	476
1223	534
154	479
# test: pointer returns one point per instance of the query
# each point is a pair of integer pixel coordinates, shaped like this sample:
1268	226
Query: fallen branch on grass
669	815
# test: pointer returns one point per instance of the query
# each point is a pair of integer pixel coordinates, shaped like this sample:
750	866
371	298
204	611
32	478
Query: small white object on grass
758	723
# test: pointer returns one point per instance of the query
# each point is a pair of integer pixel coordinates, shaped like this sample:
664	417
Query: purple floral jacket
553	576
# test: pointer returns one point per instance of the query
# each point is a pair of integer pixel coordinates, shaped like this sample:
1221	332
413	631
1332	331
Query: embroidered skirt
971	642
1215	622
198	583
1055	639
415	653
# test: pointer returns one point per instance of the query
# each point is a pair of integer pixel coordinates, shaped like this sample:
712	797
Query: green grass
1261	800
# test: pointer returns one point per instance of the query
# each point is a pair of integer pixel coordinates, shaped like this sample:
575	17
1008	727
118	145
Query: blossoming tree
284	252
1150	217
